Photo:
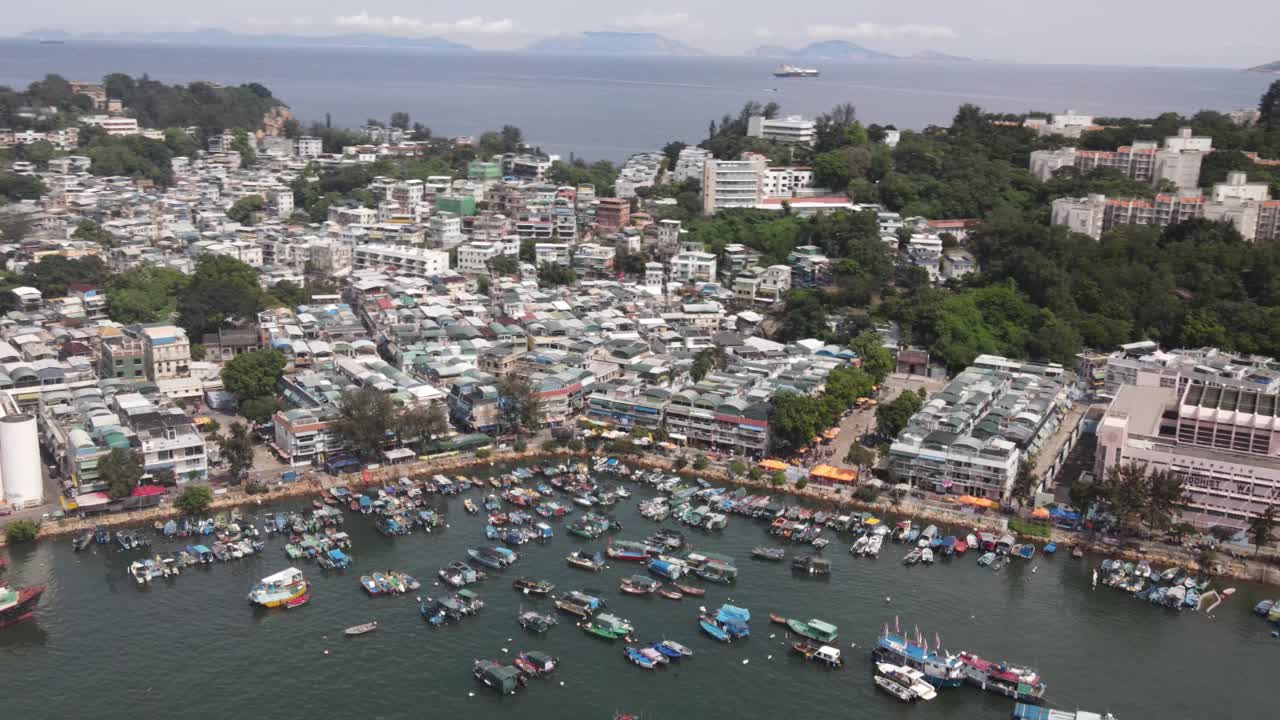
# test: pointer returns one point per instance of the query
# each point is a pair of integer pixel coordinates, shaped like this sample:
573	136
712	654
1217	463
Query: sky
1102	32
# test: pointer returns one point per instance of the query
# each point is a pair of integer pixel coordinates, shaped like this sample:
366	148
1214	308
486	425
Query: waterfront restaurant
831	476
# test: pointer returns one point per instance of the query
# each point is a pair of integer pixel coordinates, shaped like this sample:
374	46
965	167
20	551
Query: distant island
1271	67
845	50
224	37
613	43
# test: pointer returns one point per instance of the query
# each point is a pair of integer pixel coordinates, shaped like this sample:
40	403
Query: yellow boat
278	589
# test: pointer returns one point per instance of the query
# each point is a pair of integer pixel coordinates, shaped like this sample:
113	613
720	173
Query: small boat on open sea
709	627
530	586
670	593
361	629
768	553
536	622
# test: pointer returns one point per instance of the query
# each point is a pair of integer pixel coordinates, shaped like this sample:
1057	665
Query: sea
193	647
610	107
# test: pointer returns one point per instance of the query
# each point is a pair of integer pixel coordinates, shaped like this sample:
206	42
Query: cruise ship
785	70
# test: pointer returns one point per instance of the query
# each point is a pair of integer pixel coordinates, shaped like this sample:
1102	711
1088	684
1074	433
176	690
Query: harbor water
194	647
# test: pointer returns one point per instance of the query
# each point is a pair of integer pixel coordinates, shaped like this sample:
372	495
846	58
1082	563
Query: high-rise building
733	183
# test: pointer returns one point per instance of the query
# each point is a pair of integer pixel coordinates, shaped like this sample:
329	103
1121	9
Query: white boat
873	547
278	589
906	684
926	556
860	545
785	70
138	571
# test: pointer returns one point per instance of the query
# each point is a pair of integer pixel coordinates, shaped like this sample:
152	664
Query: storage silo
20	460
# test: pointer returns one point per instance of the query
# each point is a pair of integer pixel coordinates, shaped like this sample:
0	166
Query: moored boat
1021	684
904	683
939	669
823	632
711	628
530	586
535	621
18	604
278	589
690	590
816	652
361	629
768	553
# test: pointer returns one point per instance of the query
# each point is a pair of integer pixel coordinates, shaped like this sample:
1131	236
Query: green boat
609	627
814	629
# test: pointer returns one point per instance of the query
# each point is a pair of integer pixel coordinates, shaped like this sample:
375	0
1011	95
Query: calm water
192	647
610	107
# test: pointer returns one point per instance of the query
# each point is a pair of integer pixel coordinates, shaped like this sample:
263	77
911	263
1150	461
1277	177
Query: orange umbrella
1040	513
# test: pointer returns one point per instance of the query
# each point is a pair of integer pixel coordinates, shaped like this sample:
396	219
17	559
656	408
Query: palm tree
1261	528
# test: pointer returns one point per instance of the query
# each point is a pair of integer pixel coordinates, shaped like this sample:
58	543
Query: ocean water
193	647
610	107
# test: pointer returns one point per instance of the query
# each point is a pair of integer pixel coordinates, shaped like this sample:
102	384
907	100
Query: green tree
1269	105
1261	528
519	407
237	451
253	374
400	120
876	359
121	470
15	187
1025	481
243	145
243	210
221	290
504	265
550	275
144	294
259	409
700	462
737	467
778	479
892	417
859	455
52	274
366	420
417	425
194	499
21	531
802	483
90	231
794	421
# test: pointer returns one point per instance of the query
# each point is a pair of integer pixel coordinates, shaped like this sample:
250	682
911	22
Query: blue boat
201	552
102	536
1263	607
940	670
339	558
666	570
636	657
669	652
544	531
1050	548
949	545
713	630
1025	551
170	529
490	532
733	620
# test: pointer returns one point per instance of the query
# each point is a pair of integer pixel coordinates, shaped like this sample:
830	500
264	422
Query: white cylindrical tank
20	460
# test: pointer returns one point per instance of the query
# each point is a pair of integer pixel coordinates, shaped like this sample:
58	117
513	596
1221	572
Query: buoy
561	683
886	598
326	652
504	649
471	694
769	657
773	636
745	661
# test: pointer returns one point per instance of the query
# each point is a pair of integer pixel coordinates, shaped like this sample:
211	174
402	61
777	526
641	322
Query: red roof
147	491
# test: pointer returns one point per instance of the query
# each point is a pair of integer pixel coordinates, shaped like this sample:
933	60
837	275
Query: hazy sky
1131	32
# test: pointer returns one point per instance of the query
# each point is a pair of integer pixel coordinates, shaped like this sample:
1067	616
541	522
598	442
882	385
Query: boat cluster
1173	588
507	679
441	610
389	583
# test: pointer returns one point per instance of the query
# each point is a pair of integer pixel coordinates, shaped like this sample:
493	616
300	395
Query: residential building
690	163
166	351
757	284
407	260
1236	201
460	205
482	171
733	183
309	147
593	261
613	213
693	266
123	357
790	129
640	170
444	230
969	438
474	257
552	254
787	181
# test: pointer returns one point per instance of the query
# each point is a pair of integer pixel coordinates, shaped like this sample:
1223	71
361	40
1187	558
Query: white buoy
886	598
504	649
471	694
561	683
745	661
326	652
773	636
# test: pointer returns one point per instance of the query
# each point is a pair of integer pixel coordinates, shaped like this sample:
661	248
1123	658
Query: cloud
762	33
654	22
400	25
876	31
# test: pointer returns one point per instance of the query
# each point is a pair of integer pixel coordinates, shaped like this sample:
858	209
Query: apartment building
167	438
733	183
628	406
407	260
755	284
1243	204
790	129
693	266
309	147
113	125
640	170
787	181
613	213
729	423
1222	443
690	163
166	351
594	261
552	254
122	357
969	438
444	230
474	257
1178	162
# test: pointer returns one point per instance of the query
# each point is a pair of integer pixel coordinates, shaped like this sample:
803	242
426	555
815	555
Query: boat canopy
283	577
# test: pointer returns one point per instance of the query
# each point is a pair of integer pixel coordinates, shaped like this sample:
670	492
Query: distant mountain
826	50
1271	67
613	43
220	36
844	50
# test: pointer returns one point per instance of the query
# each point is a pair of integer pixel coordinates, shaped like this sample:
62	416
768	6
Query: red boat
299	601
690	590
670	594
18	604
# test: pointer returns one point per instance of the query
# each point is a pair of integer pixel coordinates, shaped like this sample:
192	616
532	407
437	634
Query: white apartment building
474	257
167	439
246	252
412	261
689	164
166	352
309	147
113	125
1238	187
762	284
693	266
733	183
552	254
654	274
790	129
444	230
787	181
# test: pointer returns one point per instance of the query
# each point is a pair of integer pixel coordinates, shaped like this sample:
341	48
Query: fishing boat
690	590
677	647
711	628
639	658
370	586
926	556
1077	552
78	543
629	551
536	663
927	537
670	593
18	604
1022	711
667	568
470	506
607	627
361	629
906	684
459	574
768	553
939	669
666	652
823	632
859	546
579	603
580	559
1263	607
986	559
811	565
734	620
824	654
718	571
535	622
639	585
1021	684
503	678
962	546
529	586
492	557
912	557
1026	551
278	589
299	601
1050	548
873	546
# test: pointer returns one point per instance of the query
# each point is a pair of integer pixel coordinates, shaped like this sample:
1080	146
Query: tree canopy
366	420
221	290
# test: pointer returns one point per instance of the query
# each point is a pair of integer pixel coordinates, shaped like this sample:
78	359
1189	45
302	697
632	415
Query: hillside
613	43
222	37
1271	67
827	50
